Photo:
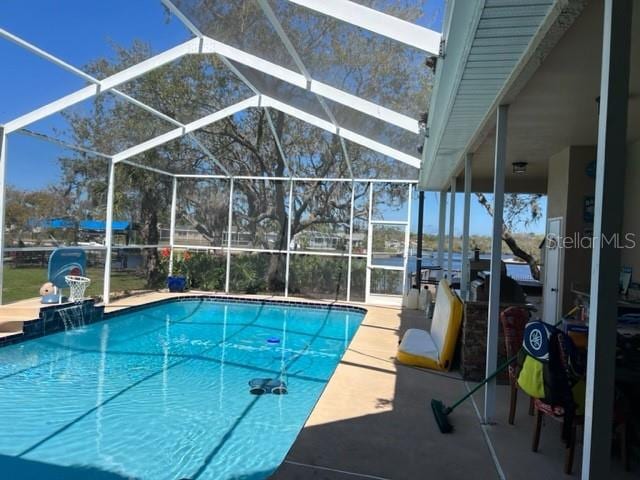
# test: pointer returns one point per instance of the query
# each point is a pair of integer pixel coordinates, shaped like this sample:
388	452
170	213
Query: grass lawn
23	283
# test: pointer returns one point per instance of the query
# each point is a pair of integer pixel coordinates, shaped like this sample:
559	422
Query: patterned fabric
547	409
513	320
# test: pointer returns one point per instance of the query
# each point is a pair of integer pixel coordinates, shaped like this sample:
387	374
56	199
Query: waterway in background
517	271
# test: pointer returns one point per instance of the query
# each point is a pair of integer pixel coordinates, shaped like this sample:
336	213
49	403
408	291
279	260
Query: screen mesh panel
189	88
360	62
241	24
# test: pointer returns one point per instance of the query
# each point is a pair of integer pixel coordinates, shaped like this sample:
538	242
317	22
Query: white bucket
411	299
424	300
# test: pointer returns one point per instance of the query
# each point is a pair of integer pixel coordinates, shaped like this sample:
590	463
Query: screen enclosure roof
332	72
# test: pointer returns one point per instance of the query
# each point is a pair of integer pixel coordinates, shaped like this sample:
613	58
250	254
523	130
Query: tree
519	208
374	68
27	211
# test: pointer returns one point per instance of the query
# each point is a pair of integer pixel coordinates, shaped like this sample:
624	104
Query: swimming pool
162	392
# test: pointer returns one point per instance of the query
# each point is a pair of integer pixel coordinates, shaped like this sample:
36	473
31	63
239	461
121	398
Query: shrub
204	270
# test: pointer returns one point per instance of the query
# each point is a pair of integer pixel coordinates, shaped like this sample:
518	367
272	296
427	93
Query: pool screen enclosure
284	67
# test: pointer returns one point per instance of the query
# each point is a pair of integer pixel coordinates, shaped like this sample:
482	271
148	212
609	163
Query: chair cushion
446	323
435	349
418	348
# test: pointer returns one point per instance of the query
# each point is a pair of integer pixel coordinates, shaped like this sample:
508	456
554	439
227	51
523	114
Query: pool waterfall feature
72	316
56	318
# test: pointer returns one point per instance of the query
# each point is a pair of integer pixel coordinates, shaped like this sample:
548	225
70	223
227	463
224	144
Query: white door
387	256
552	262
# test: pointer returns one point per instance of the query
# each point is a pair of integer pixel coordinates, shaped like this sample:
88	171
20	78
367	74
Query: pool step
7	325
10	326
9	334
19	312
12	319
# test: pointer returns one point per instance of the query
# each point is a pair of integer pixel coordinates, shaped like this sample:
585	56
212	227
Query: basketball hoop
77	285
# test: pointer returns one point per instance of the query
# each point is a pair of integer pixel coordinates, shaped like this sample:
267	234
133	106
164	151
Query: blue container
177	283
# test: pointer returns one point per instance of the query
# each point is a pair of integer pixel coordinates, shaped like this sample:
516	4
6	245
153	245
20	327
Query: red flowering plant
180	262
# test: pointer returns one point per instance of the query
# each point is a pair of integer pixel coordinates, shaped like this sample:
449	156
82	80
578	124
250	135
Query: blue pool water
162	393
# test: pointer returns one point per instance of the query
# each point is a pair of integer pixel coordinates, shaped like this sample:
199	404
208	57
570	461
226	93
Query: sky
479	219
79	31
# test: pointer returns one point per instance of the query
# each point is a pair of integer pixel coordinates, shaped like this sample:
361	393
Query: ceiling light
519	168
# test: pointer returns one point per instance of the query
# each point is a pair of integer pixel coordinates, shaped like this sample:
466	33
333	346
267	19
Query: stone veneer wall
50	321
473	348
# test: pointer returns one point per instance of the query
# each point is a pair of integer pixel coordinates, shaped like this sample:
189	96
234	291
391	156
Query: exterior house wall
631	222
568	185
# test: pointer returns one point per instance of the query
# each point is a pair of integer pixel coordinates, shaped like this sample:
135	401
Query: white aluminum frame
302	80
229	249
377	22
227	275
464	280
406	281
372	20
452	224
367	283
353	200
349	255
288	259
405	251
3	169
442	220
496	262
203	45
188	128
108	237
189	47
172	227
292	111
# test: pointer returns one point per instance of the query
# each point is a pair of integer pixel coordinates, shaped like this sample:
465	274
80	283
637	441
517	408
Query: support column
605	260
367	281
3	164
288	261
452	224
172	223
407	237
496	262
441	227
229	235
108	238
420	235
464	278
350	248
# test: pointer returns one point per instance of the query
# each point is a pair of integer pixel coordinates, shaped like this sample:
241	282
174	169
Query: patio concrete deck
374	421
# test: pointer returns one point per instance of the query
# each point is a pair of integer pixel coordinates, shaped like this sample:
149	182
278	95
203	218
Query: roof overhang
492	50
